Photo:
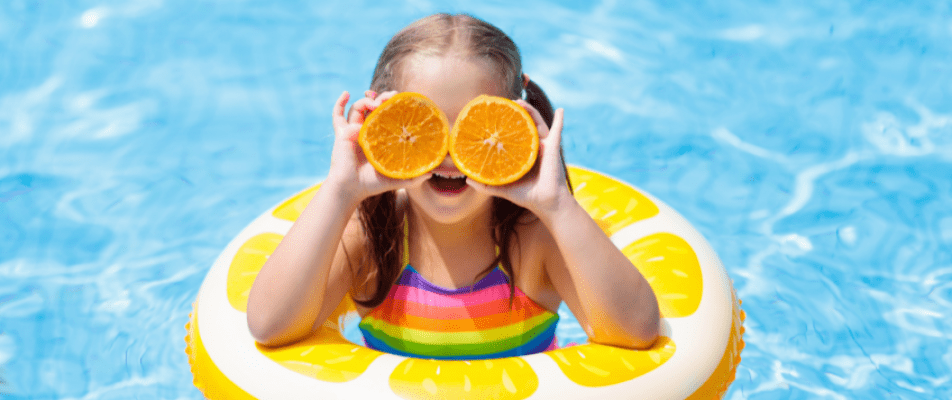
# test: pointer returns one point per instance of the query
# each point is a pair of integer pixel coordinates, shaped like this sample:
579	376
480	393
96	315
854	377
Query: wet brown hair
439	35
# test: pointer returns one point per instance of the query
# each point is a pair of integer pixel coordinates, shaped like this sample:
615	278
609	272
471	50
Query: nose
448	161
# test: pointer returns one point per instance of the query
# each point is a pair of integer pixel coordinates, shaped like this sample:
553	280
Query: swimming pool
811	144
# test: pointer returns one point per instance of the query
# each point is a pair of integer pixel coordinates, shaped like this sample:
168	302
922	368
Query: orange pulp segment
494	141
407	136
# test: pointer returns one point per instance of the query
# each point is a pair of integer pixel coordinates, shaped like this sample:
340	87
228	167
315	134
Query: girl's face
451	82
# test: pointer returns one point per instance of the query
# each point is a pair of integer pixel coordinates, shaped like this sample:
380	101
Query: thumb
551	145
554	139
483	188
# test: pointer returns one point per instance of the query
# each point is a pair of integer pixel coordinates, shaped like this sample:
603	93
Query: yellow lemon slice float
673	271
245	266
503	379
227	364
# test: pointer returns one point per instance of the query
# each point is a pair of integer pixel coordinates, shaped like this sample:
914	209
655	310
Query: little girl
441	266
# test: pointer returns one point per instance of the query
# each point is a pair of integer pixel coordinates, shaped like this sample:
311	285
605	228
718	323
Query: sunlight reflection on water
811	144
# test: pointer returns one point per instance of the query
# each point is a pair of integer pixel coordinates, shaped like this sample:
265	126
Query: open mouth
446	184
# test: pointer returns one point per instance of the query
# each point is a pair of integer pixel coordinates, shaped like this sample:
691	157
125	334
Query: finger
514	192
492	190
370	93
555	134
359	111
414	182
382	183
541	126
551	145
382	97
388	94
338	112
550	169
394	184
369	104
482	188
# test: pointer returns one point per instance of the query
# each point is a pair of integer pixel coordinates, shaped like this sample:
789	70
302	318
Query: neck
471	230
451	254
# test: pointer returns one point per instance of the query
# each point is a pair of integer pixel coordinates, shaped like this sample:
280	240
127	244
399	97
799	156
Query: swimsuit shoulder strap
406	241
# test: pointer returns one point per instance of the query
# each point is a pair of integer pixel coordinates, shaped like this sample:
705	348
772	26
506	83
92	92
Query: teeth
447	176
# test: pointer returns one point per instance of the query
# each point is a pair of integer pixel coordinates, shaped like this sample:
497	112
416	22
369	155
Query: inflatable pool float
695	357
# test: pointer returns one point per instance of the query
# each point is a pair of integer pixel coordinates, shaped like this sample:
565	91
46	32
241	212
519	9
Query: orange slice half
494	140
405	137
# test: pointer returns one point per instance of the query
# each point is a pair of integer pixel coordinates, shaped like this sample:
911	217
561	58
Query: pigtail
383	229
537	98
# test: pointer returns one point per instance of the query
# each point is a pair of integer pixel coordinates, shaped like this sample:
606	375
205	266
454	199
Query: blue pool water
810	143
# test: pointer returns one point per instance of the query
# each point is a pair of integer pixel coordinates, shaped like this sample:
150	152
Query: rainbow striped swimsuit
420	319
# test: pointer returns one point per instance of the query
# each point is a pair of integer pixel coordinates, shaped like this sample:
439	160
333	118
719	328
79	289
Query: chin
448	207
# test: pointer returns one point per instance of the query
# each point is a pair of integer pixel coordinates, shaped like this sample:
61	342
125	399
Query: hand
543	189
355	177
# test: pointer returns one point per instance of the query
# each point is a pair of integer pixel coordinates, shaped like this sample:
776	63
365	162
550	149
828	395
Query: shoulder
362	265
533	233
533	242
354	233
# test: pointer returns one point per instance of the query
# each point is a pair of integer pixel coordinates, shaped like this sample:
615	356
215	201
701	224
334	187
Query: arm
306	277
611	299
